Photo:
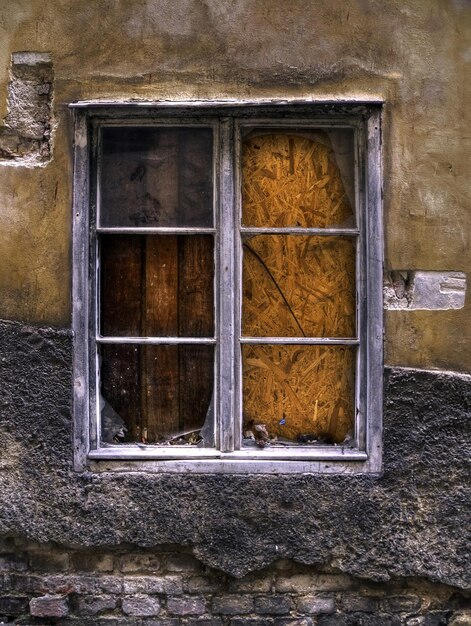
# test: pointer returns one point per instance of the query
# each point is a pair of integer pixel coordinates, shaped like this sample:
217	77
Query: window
228	286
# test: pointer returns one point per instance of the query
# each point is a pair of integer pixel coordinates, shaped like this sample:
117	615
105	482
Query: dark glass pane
157	394
157	177
157	285
298	394
298	178
295	286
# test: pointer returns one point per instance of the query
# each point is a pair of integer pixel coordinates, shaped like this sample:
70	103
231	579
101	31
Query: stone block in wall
141	606
24	583
139	562
26	138
49	606
13	605
49	561
315	604
186	605
204	584
233	604
424	290
363	604
86	562
305	583
13	561
182	563
252	584
92	605
153	584
61	583
273	605
401	604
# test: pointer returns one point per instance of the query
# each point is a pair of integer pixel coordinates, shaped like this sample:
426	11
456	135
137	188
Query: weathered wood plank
160	371
121	315
196	286
120	285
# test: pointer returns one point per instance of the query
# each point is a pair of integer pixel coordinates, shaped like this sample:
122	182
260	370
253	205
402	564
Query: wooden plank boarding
160	371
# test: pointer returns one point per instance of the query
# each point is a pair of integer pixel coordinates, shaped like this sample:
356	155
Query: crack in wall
26	137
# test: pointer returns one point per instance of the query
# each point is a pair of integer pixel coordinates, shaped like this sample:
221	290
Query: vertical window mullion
227	299
80	285
374	259
361	282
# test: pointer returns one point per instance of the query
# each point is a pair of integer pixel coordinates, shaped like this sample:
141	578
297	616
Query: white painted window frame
227	119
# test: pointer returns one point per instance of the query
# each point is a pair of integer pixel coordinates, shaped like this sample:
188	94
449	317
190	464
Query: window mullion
227	297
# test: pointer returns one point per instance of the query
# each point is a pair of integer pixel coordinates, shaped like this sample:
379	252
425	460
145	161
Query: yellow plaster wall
415	54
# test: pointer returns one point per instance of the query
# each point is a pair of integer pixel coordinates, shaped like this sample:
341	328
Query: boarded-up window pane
298	286
157	285
298	178
301	394
156	177
157	394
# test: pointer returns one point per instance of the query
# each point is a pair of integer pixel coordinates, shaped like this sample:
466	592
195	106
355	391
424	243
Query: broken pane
156	177
298	178
157	394
157	285
298	394
297	286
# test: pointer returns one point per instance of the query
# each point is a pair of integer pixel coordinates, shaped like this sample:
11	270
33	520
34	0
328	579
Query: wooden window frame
227	119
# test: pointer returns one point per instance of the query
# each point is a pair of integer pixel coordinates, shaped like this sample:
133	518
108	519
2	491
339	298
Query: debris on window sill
257	435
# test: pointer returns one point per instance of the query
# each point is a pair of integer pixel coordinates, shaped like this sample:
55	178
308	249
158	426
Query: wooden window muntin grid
227	174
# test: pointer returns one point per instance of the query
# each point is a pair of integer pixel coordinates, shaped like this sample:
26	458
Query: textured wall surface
167	586
414	55
411	521
389	550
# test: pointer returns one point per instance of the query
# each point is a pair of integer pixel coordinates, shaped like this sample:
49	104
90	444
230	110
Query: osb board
300	390
292	180
297	286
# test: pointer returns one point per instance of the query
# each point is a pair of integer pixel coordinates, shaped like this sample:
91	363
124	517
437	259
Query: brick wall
44	584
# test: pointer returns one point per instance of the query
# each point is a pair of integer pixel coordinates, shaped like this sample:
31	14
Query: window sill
339	460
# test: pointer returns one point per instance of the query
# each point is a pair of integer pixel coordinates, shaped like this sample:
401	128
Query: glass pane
157	394
298	178
297	286
157	177
298	394
157	285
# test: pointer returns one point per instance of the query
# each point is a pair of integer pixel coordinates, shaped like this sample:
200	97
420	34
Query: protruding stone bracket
25	139
424	290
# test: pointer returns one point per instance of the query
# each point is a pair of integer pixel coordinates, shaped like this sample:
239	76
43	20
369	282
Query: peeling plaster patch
425	290
25	140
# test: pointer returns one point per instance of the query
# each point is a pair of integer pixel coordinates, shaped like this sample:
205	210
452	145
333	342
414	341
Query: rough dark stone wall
166	586
411	521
